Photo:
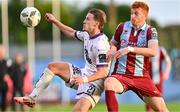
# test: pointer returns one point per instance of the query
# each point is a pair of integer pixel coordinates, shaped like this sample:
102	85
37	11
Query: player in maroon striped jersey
132	45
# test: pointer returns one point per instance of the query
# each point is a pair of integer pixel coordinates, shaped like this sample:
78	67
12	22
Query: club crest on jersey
102	58
142	33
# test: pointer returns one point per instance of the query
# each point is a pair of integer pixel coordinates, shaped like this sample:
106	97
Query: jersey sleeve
101	50
152	35
81	35
117	34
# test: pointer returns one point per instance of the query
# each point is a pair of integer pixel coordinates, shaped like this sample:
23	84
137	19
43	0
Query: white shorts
91	91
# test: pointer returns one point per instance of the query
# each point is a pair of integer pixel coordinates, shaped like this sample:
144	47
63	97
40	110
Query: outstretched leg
55	68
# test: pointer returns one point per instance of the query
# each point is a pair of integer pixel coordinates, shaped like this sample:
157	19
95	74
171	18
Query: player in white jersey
89	80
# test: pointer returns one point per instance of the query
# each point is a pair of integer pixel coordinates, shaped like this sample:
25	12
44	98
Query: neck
137	27
95	32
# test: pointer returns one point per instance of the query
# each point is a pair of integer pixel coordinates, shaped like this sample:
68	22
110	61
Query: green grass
173	107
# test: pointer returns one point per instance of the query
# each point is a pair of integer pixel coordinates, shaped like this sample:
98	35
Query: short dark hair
99	16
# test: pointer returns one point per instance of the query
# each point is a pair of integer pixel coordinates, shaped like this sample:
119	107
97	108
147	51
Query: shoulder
151	29
120	26
102	39
81	34
102	42
152	32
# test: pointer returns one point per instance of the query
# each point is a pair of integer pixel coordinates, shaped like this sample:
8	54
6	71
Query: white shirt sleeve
81	35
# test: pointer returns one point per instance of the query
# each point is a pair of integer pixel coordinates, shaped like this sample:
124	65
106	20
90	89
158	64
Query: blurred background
45	43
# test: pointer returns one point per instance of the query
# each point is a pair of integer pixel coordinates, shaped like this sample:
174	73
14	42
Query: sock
111	101
42	84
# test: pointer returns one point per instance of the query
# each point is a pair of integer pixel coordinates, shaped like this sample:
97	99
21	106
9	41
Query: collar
142	28
97	35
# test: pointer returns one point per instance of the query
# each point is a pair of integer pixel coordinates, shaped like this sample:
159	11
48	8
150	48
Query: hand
49	17
77	80
110	55
121	52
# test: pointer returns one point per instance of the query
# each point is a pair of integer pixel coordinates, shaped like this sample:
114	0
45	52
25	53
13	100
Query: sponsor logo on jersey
102	58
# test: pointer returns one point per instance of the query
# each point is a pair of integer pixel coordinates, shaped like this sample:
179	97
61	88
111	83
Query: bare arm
68	31
102	72
149	52
111	52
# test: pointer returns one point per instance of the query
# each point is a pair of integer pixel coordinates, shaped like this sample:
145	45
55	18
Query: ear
146	14
97	23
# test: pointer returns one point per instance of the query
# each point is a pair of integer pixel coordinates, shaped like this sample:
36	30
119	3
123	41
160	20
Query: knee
51	66
54	67
109	83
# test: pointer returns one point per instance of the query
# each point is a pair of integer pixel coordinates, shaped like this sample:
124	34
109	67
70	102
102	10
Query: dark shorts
142	86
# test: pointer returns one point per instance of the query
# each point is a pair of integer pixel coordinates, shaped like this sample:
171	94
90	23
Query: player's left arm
149	51
101	72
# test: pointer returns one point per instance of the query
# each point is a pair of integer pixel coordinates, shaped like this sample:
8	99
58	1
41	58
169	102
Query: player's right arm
68	31
111	52
114	42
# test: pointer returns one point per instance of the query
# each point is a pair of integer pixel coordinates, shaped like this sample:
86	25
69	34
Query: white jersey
95	49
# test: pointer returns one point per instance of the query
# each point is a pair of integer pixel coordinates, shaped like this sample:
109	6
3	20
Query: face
19	58
89	24
2	53
138	16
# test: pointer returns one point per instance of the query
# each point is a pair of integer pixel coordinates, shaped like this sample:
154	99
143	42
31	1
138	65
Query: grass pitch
101	107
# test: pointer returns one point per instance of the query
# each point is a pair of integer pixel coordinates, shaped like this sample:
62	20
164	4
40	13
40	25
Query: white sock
42	84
